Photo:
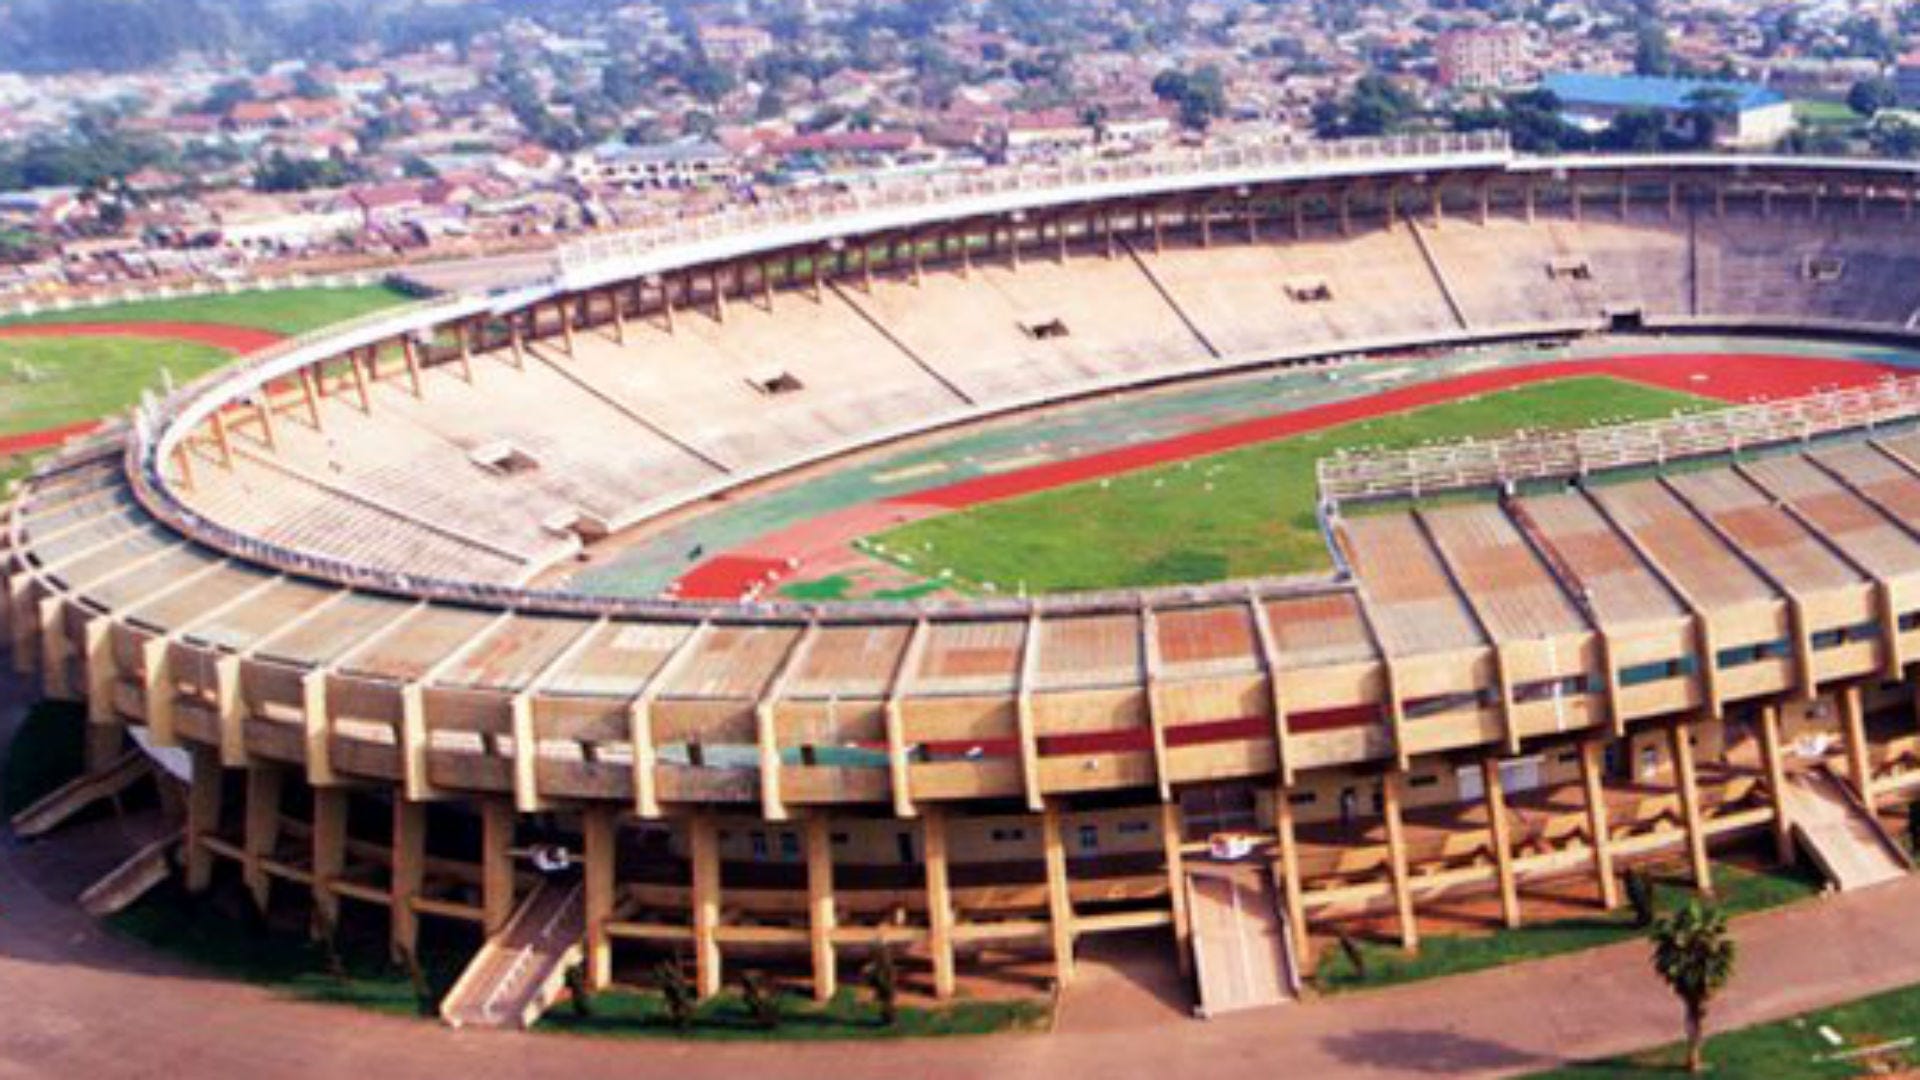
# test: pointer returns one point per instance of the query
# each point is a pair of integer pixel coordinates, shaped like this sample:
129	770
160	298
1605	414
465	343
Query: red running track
235	339
1729	377
1723	376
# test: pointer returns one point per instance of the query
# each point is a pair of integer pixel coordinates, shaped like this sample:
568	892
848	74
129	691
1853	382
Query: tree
1652	53
1869	96
1707	108
1200	95
761	1000
883	979
676	992
1693	953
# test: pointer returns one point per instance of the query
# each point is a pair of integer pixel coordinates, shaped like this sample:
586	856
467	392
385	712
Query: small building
1906	79
1483	58
1755	115
684	164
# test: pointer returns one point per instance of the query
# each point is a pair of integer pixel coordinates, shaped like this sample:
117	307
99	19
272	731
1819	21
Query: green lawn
1793	1047
46	382
1243	513
1826	113
633	1014
1740	891
286	311
48	750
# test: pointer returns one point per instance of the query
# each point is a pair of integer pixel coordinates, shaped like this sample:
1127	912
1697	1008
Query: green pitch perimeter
1243	513
283	311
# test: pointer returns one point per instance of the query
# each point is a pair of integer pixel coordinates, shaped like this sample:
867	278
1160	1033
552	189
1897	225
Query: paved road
77	1004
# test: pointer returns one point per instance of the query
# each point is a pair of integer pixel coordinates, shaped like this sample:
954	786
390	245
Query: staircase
132	879
69	799
1840	834
520	971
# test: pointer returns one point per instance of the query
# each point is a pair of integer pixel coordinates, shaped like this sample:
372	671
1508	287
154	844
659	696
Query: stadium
393	602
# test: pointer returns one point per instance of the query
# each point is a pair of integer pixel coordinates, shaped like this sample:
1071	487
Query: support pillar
408	874
933	836
1681	737
203	815
704	849
1171	831
262	836
1289	875
1599	833
329	853
597	838
1859	750
1059	894
1775	764
1500	836
1397	861
496	865
821	914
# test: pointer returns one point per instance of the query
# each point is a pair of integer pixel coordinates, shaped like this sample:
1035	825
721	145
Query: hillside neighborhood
519	124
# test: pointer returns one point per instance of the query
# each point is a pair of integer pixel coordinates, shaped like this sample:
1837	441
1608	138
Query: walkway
80	1003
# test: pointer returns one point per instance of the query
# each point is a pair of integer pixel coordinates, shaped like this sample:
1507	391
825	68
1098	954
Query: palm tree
1694	954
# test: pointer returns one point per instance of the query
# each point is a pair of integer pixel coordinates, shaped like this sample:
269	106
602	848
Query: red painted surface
1728	377
730	577
235	339
34	441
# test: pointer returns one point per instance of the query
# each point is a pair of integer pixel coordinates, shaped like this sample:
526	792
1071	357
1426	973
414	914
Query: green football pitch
1242	513
284	311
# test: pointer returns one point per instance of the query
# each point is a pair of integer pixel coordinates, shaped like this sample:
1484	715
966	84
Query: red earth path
813	544
233	339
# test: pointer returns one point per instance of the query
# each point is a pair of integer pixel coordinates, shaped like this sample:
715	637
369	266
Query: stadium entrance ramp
1241	953
1839	834
520	971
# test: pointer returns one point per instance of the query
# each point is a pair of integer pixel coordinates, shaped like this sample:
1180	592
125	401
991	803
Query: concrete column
203	814
408	873
264	783
1500	836
598	836
329	851
1598	831
704	849
933	836
1681	738
1859	750
822	917
106	735
1059	894
1775	764
565	305
1170	836
1390	782
496	864
1288	871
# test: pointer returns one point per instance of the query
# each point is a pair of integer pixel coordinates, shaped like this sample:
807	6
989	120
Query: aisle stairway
520	971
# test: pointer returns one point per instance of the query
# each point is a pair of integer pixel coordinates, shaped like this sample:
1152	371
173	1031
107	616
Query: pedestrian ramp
132	879
1241	955
1839	834
69	799
521	970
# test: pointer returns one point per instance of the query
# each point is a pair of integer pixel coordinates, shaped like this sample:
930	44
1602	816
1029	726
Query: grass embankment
1796	1047
725	1018
284	311
1243	513
1738	891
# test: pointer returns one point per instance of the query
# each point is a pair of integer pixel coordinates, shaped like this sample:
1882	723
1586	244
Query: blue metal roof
1645	92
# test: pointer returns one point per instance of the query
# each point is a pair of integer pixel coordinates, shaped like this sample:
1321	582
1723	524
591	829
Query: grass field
47	382
1740	891
1795	1047
1244	513
1826	113
285	311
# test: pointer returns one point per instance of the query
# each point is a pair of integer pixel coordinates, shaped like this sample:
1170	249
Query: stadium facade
313	576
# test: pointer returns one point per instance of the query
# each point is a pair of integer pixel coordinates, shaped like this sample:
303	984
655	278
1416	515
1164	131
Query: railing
811	208
1556	455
